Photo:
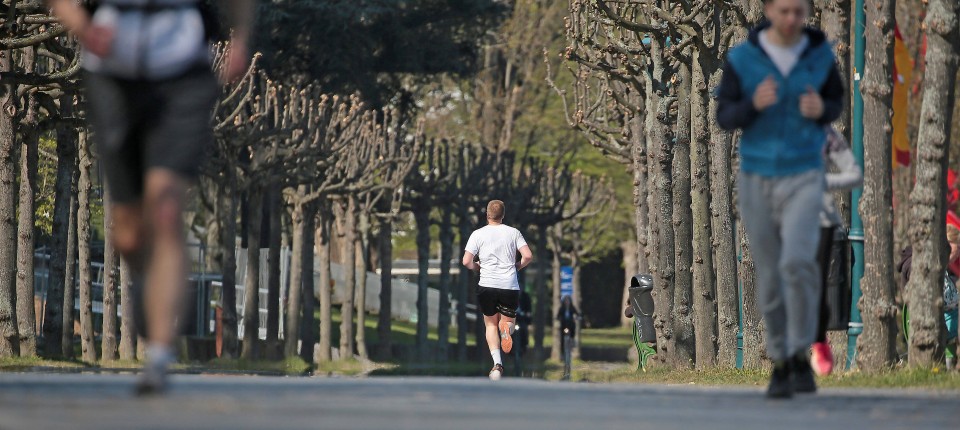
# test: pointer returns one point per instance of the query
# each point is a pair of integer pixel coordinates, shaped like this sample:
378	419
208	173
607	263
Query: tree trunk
308	331
835	22
724	238
688	345
641	193
251	282
463	287
26	312
53	328
294	294
128	333
70	276
349	270
876	347
555	280
928	200
754	343
422	218
576	264
228	241
87	341
362	260
273	276
704	294
446	254
9	339
386	288
324	227
663	271
111	259
541	314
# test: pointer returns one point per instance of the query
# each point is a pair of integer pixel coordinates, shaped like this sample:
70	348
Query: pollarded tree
924	292
876	347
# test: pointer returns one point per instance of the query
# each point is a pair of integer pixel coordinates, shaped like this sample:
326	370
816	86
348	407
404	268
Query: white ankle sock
495	353
159	355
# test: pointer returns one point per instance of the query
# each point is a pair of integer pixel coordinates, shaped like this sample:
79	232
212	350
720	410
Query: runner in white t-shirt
498	294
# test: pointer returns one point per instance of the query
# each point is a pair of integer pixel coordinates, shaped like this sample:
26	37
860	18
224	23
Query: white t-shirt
497	246
784	57
158	44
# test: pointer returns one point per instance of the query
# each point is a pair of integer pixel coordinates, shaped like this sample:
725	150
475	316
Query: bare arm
240	15
96	38
526	257
468	261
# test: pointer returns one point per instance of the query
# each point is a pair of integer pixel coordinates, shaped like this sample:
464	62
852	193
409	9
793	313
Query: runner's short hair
953	234
495	210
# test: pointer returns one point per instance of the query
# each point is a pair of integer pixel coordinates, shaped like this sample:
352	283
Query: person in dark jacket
780	87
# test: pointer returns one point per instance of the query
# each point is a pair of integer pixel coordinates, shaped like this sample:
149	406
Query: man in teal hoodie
780	87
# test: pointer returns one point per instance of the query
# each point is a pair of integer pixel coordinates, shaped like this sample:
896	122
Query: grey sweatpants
782	218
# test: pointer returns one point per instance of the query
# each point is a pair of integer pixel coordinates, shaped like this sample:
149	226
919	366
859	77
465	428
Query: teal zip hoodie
779	141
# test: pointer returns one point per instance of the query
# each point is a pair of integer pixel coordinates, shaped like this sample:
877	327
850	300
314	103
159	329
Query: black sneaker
152	381
803	380
781	385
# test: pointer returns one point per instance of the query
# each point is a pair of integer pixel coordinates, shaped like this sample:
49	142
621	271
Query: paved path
97	401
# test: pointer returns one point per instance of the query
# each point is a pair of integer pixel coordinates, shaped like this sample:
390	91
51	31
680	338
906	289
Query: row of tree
304	164
643	72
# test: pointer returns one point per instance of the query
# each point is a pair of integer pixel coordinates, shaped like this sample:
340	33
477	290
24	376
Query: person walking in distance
780	87
150	93
498	295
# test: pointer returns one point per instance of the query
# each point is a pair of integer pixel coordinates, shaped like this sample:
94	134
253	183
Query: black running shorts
497	300
141	125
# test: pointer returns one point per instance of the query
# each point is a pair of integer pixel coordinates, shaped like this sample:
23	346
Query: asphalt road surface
104	401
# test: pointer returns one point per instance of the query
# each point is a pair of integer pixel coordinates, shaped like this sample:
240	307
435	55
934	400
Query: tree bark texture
87	341
111	260
9	339
251	282
294	294
228	242
26	312
273	267
362	262
446	254
324	227
555	280
704	293
348	264
541	314
386	288
128	333
53	314
308	324
661	156
928	199
876	347
686	342
422	218
754	343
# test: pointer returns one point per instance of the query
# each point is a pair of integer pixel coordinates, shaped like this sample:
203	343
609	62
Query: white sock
495	353
159	355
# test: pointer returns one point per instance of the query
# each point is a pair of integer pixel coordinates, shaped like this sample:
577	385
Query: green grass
402	332
288	366
15	364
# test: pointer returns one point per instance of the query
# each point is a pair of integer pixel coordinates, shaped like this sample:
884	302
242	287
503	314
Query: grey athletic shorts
141	125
